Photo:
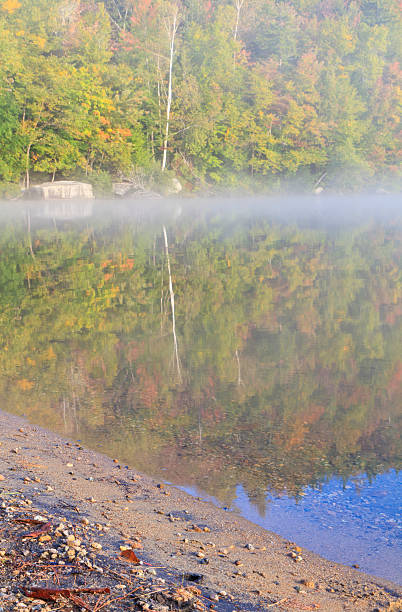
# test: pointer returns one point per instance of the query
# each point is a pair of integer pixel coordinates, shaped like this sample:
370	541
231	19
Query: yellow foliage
11	6
51	354
30	361
40	42
25	384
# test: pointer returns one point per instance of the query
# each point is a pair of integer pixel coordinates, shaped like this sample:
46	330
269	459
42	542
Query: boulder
174	186
60	190
126	189
122	189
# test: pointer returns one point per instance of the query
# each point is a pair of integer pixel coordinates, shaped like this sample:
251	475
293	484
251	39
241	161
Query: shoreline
234	564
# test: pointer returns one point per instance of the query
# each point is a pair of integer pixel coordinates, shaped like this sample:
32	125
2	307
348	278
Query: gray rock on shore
60	190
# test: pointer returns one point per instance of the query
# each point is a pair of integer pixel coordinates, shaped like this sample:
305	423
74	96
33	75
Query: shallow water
283	399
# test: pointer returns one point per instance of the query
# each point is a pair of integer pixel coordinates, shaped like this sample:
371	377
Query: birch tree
171	22
238	5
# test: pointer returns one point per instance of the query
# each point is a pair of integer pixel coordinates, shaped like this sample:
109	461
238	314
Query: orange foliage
10	6
25	384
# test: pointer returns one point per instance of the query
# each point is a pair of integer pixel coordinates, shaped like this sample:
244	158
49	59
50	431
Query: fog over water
273	387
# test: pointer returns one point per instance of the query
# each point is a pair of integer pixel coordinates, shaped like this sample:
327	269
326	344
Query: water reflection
289	340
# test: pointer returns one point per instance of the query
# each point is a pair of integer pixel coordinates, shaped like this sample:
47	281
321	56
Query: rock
122	189
128	189
45	538
174	186
308	583
60	190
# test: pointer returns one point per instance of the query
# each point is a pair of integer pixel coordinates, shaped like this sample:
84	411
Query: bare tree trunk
171	27
27	177
239	6
175	346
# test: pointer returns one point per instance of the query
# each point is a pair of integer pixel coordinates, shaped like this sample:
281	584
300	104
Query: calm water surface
283	399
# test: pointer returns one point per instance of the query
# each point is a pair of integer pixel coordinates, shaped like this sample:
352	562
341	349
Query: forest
247	95
288	338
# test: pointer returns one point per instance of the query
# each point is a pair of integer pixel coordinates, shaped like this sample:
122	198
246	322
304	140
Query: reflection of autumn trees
312	318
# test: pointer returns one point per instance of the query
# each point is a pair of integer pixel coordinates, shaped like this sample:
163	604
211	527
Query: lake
275	390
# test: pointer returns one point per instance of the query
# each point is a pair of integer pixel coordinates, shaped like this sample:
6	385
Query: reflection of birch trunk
64	415
239	380
175	347
162	313
29	233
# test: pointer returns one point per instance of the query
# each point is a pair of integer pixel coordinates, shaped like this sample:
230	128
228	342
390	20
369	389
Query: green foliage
297	88
101	181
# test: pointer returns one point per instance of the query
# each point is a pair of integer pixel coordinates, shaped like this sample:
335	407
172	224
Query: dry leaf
34	534
129	555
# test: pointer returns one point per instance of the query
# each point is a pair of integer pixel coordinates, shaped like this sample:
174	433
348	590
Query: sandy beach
147	545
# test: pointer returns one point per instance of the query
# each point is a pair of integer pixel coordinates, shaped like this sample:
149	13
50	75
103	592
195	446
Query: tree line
258	95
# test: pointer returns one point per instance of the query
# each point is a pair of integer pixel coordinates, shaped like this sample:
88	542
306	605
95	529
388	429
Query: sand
190	543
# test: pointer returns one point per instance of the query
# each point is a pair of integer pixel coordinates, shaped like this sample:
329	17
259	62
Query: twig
154	592
109	601
277	602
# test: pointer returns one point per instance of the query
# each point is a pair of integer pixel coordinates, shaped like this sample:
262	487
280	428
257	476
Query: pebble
45	538
308	583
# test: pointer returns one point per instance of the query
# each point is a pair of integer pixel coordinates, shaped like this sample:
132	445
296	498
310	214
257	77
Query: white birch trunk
239	6
171	27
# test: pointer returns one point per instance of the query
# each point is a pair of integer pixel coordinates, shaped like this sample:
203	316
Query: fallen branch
53	594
